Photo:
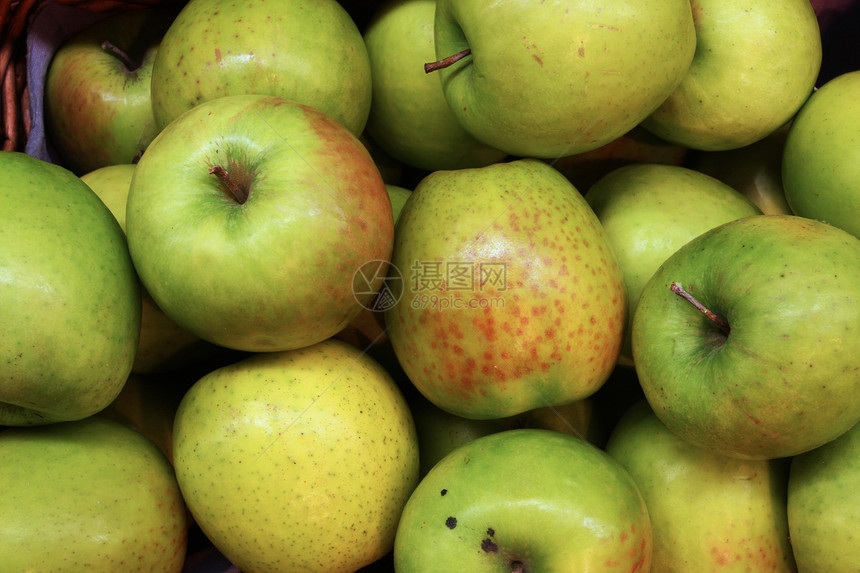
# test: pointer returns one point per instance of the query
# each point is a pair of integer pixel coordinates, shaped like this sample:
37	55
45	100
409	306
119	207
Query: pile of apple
435	285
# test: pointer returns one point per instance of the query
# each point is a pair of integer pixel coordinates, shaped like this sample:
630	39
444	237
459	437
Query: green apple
511	297
398	195
309	51
824	506
409	116
248	217
650	210
820	162
88	495
551	79
70	299
525	500
757	357
755	170
297	460
97	101
163	344
708	512
636	146
756	63
440	433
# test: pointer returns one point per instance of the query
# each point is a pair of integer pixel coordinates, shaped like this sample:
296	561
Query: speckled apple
299	460
512	297
708	512
307	51
525	500
88	495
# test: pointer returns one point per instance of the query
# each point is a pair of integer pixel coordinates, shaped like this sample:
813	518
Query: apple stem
237	193
721	324
109	46
445	62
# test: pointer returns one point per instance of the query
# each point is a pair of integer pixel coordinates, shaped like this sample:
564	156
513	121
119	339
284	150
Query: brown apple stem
517	567
109	46
445	62
237	193
721	324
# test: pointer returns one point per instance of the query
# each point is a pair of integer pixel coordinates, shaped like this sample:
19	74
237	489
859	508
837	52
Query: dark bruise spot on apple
491	532
489	546
451	522
443	492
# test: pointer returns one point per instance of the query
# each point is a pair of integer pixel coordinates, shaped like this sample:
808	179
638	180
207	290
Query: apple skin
317	210
820	161
98	111
755	65
163	344
708	512
88	495
297	460
650	210
824	506
544	499
784	380
409	116
558	78
307	51
755	170
540	325
70	297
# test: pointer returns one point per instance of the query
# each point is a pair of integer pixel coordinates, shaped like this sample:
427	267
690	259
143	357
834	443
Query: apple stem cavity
719	321
517	567
130	64
445	62
235	189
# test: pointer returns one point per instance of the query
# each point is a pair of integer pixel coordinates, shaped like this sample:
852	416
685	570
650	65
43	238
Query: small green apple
755	65
307	51
708	512
755	170
650	210
757	357
248	217
70	299
821	160
97	102
163	344
551	79
824	506
525	500
511	297
88	495
409	116
297	460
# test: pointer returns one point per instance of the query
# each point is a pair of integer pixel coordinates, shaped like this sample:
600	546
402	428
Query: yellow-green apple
440	432
708	512
825	185
746	339
650	210
525	500
163	344
551	79
70	300
88	495
409	116
755	65
297	460
511	297
755	170
636	146
824	506
307	51
97	99
248	217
